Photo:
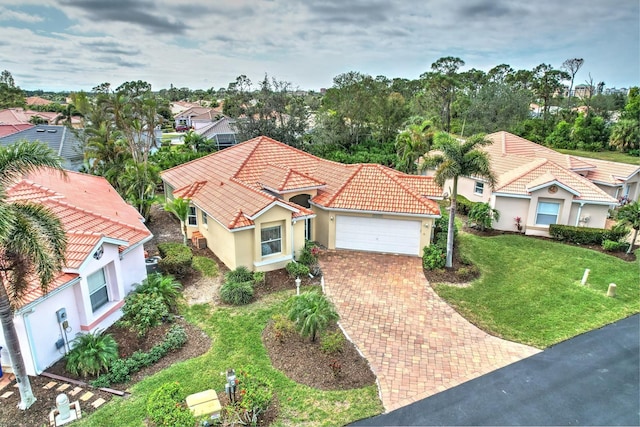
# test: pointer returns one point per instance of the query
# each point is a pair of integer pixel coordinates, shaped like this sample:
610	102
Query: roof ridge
396	177
357	169
96	215
526	168
28	182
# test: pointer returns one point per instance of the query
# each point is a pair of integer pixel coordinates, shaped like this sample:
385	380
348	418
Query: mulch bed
304	362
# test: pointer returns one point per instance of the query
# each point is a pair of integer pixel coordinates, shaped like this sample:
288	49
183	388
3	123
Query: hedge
176	259
586	235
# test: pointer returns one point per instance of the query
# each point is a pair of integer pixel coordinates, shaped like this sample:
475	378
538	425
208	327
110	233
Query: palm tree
312	312
456	159
180	208
630	214
412	143
32	246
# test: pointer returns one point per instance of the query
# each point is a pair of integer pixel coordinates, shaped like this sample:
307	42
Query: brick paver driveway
416	343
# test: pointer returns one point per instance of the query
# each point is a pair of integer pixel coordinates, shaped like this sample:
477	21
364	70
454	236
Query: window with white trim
547	213
98	293
192	219
479	187
271	240
204	218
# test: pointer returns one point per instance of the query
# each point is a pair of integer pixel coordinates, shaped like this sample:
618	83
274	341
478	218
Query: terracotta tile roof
15	116
34	292
89	210
36	100
6	129
236	178
517	162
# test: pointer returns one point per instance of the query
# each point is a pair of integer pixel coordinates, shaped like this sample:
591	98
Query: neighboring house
9	129
257	202
542	186
222	132
197	117
60	139
104	259
17	116
37	100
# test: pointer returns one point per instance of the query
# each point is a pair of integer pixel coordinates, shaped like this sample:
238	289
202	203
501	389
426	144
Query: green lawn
236	336
613	156
530	289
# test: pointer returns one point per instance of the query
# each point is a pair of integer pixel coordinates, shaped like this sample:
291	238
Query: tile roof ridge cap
30	183
526	168
256	142
397	176
357	168
97	215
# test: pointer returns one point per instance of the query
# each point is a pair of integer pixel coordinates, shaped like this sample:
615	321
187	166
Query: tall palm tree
456	159
630	214
180	208
412	143
32	247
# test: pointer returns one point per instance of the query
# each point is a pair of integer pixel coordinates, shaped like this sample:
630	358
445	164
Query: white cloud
12	15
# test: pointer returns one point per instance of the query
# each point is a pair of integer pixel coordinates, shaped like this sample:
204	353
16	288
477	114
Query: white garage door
378	235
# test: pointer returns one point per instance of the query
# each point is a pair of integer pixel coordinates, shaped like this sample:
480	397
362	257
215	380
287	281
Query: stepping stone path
62	387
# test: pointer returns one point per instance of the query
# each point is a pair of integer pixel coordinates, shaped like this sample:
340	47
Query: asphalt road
592	379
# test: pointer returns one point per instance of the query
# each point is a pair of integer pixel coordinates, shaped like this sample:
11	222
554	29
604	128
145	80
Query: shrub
237	293
121	369
259	277
312	312
91	353
282	327
166	407
296	269
176	259
433	257
441	227
164	286
256	392
332	342
483	215
586	235
143	312
464	205
613	246
240	274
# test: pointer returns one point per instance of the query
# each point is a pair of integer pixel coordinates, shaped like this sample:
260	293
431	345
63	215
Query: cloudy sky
77	44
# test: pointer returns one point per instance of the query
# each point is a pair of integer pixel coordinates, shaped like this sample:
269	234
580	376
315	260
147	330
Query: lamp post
298	286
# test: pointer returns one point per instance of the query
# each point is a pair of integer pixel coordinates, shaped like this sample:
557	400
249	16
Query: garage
378	235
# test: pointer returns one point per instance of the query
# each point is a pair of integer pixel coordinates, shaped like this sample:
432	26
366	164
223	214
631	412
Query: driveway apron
416	344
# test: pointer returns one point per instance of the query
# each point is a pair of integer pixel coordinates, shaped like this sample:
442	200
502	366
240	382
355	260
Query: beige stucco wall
543	195
275	216
219	240
634	187
510	208
322	231
596	214
466	188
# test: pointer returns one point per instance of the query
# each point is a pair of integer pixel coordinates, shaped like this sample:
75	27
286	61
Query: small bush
296	269
256	392
613	246
143	312
165	286
586	235
176	259
441	227
91	354
433	257
259	277
482	215
312	313
282	327
239	275
237	293
332	342
166	407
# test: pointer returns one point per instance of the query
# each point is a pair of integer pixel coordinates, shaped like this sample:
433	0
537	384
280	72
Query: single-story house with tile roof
62	140
104	259
542	186
221	131
257	202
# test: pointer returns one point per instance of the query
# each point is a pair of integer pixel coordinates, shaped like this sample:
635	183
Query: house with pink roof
542	186
104	259
257	202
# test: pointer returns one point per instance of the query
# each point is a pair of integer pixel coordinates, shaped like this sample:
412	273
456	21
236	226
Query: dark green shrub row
464	205
166	407
586	235
120	370
176	259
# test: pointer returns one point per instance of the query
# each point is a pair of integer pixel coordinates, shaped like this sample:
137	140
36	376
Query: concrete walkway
416	344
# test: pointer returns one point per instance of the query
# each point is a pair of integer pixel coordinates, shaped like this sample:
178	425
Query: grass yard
236	335
612	156
530	289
